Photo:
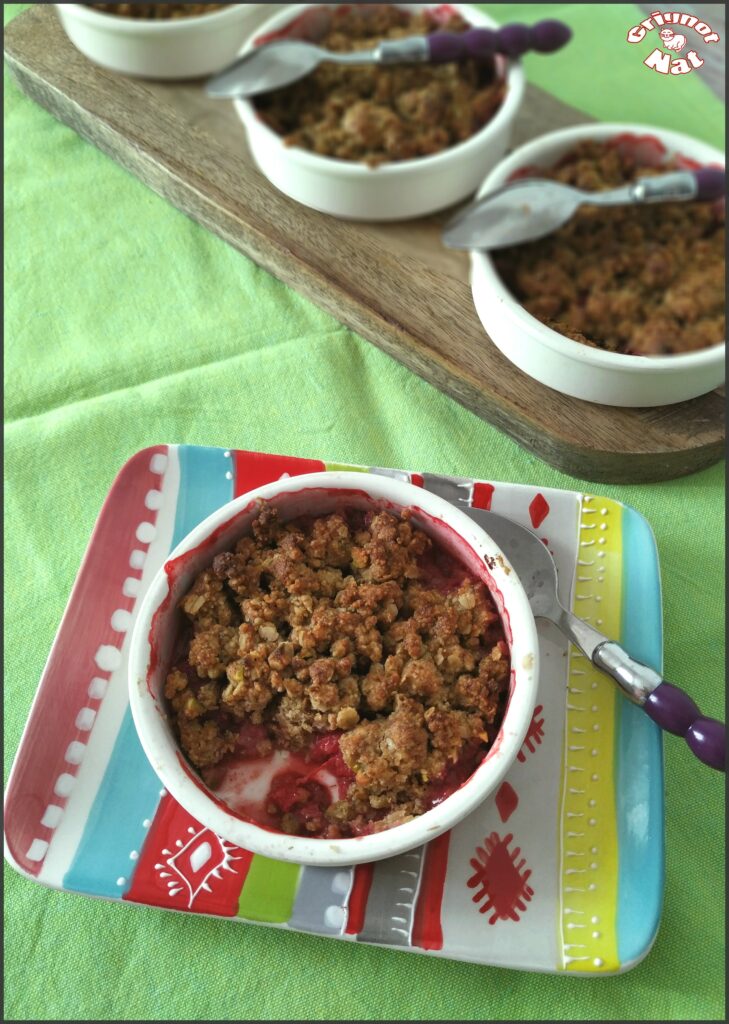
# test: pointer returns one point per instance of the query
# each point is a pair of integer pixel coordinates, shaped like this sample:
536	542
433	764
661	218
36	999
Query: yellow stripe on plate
589	839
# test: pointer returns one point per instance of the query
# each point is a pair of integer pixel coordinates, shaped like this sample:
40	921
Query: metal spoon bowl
275	65
532	208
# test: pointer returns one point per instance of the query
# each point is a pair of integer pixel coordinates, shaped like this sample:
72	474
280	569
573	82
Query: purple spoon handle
711	183
675	712
511	40
668	706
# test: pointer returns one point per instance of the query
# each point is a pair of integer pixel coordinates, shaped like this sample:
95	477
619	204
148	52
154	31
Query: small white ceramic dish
394	191
316	494
580	371
175	49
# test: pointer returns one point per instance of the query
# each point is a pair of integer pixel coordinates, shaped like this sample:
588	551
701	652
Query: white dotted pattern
108	658
121	621
52	816
137	559
85	719
146	533
75	752
64	785
153	500
335	916
341	883
130	587
98	688
37	849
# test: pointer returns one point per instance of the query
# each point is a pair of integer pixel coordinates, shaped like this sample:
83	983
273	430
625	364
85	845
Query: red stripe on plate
482	495
357	903
253	469
427	929
185	866
63	689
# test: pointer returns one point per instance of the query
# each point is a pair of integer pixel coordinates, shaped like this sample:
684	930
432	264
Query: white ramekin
580	371
175	49
392	191
316	494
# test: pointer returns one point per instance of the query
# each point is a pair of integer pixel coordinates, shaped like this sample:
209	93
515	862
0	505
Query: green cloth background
128	325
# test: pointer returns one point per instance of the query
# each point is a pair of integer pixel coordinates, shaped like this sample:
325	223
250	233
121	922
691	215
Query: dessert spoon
670	707
532	208
279	63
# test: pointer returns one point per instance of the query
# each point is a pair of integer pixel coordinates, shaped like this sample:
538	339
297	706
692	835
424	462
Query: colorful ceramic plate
562	871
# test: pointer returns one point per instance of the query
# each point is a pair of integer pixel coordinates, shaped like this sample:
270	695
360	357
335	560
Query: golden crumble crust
635	279
355	640
380	113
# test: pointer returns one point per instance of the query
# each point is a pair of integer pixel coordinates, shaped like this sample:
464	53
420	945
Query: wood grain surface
395	284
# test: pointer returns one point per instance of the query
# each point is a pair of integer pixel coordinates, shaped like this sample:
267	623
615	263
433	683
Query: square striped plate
562	871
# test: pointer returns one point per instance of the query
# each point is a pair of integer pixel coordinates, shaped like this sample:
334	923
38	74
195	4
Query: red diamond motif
507	800
538	510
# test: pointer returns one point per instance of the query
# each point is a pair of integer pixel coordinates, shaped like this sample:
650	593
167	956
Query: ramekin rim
317	851
515	79
142	26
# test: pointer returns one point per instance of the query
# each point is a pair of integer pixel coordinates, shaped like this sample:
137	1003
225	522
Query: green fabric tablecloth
128	325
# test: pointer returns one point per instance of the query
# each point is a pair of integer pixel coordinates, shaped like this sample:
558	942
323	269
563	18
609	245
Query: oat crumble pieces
640	280
379	113
358	644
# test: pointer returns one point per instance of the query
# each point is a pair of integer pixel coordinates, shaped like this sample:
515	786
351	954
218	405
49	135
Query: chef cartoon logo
675	33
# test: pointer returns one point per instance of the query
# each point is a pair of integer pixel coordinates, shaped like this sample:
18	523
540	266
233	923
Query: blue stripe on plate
129	792
639	752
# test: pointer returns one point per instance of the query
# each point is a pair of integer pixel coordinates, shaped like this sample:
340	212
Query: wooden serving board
394	284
